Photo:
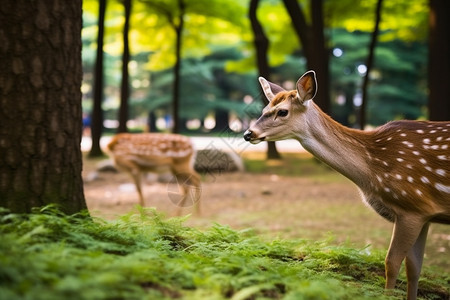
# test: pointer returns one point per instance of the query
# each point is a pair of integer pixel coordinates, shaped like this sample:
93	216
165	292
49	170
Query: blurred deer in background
157	153
401	168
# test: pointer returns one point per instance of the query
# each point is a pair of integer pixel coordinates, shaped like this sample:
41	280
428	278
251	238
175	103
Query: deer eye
282	113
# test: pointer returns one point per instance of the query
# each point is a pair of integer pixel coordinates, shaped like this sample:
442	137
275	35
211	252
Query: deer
401	168
139	153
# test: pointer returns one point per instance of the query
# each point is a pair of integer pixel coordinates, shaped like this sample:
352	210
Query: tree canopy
218	66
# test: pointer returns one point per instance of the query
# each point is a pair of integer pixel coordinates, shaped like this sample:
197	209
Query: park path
229	143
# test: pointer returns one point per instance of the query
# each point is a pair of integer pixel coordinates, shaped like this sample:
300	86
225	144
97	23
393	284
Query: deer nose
248	135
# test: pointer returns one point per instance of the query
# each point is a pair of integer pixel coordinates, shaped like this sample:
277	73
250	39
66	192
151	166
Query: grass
49	255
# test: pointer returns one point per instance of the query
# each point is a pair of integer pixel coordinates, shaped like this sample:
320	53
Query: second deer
156	153
402	168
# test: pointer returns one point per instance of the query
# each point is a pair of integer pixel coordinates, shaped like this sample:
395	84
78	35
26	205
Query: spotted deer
401	168
157	153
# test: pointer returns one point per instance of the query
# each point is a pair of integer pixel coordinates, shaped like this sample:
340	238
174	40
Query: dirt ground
271	204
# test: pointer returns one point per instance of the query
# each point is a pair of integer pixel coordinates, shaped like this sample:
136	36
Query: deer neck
340	147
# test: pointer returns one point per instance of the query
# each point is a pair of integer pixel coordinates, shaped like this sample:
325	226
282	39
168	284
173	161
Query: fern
49	255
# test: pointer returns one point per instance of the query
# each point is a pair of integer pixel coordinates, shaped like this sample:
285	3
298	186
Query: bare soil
316	208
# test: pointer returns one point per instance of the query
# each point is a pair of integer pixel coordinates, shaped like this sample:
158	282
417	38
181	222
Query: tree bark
439	60
312	39
97	112
262	45
40	105
177	68
125	86
369	65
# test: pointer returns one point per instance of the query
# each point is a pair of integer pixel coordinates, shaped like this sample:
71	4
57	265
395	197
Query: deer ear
270	89
307	86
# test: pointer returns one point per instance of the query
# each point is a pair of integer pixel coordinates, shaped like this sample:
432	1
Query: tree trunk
177	69
40	105
97	112
262	45
312	39
319	56
439	61
125	87
369	65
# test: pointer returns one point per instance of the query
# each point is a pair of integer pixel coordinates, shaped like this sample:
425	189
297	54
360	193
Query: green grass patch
293	164
49	255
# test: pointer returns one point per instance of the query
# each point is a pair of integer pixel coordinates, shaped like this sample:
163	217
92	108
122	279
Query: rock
217	161
106	165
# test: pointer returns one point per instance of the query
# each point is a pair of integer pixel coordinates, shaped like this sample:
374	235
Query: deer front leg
414	260
406	231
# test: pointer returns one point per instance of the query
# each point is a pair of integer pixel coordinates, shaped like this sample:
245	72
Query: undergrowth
49	255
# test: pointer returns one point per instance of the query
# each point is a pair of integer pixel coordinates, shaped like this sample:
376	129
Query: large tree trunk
97	112
439	60
262	45
125	87
40	105
369	65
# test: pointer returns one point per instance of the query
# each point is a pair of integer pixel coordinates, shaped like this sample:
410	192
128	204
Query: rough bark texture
40	105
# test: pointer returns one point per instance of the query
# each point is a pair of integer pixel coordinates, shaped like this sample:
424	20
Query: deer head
280	118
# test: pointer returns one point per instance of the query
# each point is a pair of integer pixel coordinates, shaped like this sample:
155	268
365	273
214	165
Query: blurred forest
191	66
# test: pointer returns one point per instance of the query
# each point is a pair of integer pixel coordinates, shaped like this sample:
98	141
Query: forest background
192	66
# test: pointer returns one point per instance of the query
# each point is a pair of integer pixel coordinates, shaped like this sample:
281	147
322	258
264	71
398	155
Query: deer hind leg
189	181
137	178
414	260
407	230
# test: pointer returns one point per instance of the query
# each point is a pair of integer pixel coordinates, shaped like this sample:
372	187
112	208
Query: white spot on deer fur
400	159
389	138
385	163
401	152
424	179
409	166
444	147
429	168
435	147
432	131
398	176
403	134
416	152
419	192
410	179
426	141
379	179
386	175
377	141
419	131
443	188
438	139
387	190
423	160
440	172
442	157
404	193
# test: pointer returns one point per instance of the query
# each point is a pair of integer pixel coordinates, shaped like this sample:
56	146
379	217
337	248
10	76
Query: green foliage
48	255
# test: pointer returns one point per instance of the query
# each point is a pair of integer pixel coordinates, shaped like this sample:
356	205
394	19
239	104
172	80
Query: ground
315	205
